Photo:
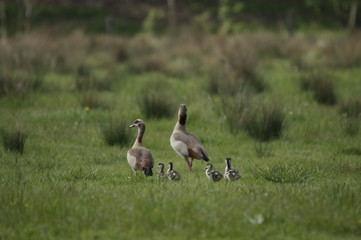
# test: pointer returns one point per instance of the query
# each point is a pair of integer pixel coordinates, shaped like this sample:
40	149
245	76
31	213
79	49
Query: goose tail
204	155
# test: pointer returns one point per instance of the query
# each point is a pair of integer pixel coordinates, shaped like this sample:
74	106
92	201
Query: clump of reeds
13	139
116	132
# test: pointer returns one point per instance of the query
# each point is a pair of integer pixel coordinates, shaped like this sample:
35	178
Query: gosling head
160	166
209	166
170	164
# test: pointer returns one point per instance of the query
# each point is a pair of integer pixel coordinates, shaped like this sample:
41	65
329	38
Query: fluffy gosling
173	174
229	173
212	174
161	173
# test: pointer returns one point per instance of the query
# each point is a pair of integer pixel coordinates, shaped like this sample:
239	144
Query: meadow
286	109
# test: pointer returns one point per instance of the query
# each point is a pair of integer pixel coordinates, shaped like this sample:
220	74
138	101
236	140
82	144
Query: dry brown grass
19	83
41	51
351	108
233	67
344	51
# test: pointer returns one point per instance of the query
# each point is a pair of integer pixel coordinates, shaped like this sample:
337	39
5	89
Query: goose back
139	158
188	145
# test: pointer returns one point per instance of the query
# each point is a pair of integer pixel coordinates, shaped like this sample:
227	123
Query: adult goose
161	173
230	173
139	157
184	143
213	174
173	174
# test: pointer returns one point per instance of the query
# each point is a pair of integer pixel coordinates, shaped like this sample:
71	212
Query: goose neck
179	128
139	139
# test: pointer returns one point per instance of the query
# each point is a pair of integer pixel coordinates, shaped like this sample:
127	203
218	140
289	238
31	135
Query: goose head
182	114
138	123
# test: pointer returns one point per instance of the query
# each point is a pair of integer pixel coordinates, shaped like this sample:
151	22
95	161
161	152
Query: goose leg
191	164
188	163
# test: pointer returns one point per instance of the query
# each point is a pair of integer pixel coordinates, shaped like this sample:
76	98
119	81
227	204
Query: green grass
69	184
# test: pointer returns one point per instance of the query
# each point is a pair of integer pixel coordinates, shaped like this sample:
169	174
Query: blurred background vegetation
129	17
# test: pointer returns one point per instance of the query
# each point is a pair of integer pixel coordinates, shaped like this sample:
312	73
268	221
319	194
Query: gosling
229	173
161	173
212	174
173	174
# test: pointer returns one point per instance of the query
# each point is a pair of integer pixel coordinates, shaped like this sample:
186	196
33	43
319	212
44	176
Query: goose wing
140	157
194	145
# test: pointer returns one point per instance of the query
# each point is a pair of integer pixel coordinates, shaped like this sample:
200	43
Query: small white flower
258	219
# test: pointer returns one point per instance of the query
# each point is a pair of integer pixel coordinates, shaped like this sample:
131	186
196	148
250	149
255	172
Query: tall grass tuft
19	83
235	70
85	80
284	172
234	109
13	140
155	105
116	132
91	100
265	122
351	110
146	53
322	86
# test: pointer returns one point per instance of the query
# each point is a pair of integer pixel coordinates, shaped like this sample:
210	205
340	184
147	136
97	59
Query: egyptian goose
173	174
213	174
184	143
230	173
139	157
161	173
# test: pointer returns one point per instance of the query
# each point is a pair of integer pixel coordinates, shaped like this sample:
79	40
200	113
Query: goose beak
133	125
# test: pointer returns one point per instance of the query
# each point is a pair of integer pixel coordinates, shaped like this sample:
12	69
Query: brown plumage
184	143
139	157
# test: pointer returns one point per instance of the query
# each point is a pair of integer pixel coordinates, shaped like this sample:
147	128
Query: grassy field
303	183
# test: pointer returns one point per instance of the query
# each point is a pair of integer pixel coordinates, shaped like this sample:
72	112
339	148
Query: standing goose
173	174
184	143
161	173
213	174
139	157
230	173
